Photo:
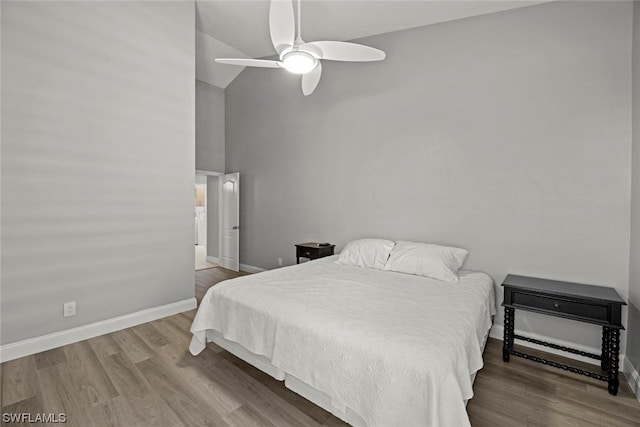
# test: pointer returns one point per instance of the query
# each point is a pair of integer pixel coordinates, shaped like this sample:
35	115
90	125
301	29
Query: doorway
230	221
202	258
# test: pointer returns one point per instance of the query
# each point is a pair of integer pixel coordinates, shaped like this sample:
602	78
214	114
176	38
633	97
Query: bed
375	348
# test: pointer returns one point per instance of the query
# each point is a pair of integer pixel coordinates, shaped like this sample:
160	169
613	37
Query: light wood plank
92	383
150	335
246	416
180	356
132	345
147	408
104	346
537	395
271	406
312	411
60	395
193	369
32	405
50	358
117	412
19	381
486	414
172	332
184	400
181	322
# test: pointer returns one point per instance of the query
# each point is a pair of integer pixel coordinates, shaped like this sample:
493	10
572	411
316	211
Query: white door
230	221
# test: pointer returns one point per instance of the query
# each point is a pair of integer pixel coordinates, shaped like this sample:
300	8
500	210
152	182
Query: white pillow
370	253
435	261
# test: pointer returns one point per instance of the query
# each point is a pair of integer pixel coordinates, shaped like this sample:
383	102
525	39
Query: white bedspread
397	349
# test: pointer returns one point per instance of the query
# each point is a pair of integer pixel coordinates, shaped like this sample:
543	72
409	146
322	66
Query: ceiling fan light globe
298	62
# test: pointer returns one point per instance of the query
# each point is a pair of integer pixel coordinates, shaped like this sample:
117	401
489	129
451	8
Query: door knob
236	227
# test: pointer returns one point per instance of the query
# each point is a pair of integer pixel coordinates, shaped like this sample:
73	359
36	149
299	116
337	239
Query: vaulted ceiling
239	28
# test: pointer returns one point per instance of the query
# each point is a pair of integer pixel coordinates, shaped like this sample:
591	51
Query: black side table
585	303
313	250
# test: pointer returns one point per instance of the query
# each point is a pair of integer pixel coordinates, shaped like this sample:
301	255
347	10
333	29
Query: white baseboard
632	377
497	331
47	342
213	259
251	268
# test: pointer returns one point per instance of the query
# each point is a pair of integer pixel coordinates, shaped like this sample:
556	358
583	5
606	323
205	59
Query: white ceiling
242	25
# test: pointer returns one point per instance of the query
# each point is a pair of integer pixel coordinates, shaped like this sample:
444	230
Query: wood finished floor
144	376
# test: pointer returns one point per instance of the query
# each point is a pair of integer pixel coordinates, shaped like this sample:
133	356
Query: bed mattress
390	349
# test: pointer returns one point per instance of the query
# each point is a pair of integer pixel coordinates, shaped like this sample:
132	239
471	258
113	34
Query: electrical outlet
69	309
280	262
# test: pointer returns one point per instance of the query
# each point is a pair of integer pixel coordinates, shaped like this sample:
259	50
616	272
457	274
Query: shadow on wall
633	335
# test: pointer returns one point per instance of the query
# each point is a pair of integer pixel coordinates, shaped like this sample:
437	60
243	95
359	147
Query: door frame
217	174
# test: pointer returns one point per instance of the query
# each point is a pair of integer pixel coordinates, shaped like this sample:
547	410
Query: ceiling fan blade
250	62
343	51
311	79
281	24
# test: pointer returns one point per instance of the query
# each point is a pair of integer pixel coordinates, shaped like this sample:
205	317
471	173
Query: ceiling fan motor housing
298	61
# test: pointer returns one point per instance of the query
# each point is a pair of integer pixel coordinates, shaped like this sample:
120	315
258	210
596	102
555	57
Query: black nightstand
312	250
584	303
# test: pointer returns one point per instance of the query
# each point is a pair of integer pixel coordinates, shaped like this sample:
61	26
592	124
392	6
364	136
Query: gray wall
213	215
98	148
210	151
507	134
633	333
209	128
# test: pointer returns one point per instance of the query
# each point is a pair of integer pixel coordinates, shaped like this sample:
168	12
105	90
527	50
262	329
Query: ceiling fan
299	57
